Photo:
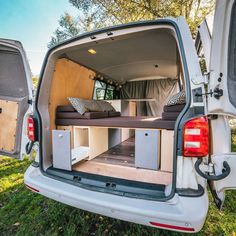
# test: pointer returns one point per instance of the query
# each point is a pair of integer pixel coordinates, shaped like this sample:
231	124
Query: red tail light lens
196	137
31	129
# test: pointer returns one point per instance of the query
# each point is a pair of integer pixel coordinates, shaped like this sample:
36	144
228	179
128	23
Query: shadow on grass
25	213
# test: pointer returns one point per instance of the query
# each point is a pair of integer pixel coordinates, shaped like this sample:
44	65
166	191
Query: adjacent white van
124	123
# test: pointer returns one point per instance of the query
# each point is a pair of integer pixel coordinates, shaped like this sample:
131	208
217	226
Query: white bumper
179	214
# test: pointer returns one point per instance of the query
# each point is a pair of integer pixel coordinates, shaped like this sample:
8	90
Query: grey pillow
82	105
179	98
105	106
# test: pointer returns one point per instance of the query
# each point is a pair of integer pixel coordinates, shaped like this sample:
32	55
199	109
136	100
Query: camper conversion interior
112	105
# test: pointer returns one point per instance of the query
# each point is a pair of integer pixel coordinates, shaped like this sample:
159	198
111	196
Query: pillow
105	106
179	98
82	105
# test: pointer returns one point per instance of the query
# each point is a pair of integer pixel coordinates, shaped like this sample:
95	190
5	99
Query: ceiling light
92	51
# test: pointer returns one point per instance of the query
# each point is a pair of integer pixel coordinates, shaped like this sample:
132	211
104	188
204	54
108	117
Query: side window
99	90
109	92
232	57
103	91
203	42
200	53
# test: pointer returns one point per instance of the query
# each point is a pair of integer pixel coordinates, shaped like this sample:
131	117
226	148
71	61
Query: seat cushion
122	121
179	98
70	115
82	105
77	115
174	108
96	114
170	115
113	113
66	108
105	106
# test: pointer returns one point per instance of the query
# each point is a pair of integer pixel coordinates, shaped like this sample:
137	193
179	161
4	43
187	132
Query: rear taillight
196	137
31	129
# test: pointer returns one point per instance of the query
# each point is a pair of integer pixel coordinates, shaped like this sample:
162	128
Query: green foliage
23	212
35	80
69	27
94	14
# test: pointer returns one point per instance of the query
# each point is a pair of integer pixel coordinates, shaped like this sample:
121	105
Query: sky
32	22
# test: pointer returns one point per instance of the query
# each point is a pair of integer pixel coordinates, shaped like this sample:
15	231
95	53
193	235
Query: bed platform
66	115
121	122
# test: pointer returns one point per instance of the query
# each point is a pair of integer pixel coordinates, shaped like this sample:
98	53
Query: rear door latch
217	93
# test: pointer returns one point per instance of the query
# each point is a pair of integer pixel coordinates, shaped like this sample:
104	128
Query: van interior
136	73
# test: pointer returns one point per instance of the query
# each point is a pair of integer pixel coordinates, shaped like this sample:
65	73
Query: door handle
225	171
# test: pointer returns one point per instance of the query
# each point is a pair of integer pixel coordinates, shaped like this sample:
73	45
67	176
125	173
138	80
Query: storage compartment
147	149
72	144
119	162
137	158
65	155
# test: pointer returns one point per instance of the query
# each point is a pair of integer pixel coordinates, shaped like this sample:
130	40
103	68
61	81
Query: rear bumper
179	214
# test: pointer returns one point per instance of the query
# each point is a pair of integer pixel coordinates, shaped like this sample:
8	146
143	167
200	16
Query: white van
123	123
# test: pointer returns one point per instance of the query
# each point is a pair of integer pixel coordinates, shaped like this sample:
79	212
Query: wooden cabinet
167	146
72	144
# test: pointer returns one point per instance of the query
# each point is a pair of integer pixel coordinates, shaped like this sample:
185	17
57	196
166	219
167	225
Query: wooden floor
118	162
122	154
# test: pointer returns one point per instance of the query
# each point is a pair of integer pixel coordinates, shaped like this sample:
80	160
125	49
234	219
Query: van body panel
186	213
219	63
16	98
229	181
222	99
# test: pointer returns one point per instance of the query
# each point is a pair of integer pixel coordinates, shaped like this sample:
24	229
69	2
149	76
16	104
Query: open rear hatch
128	150
15	98
221	97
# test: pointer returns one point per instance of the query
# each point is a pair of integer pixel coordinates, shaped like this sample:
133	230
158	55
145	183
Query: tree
68	27
35	81
101	13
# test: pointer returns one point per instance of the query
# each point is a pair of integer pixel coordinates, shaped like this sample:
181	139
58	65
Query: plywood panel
124	172
98	141
132	109
69	80
81	136
8	125
167	145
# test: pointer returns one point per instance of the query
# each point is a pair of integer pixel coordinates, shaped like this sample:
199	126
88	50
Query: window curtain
160	90
137	90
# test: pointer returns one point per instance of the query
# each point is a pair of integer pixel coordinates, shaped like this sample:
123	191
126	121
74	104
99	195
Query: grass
23	212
